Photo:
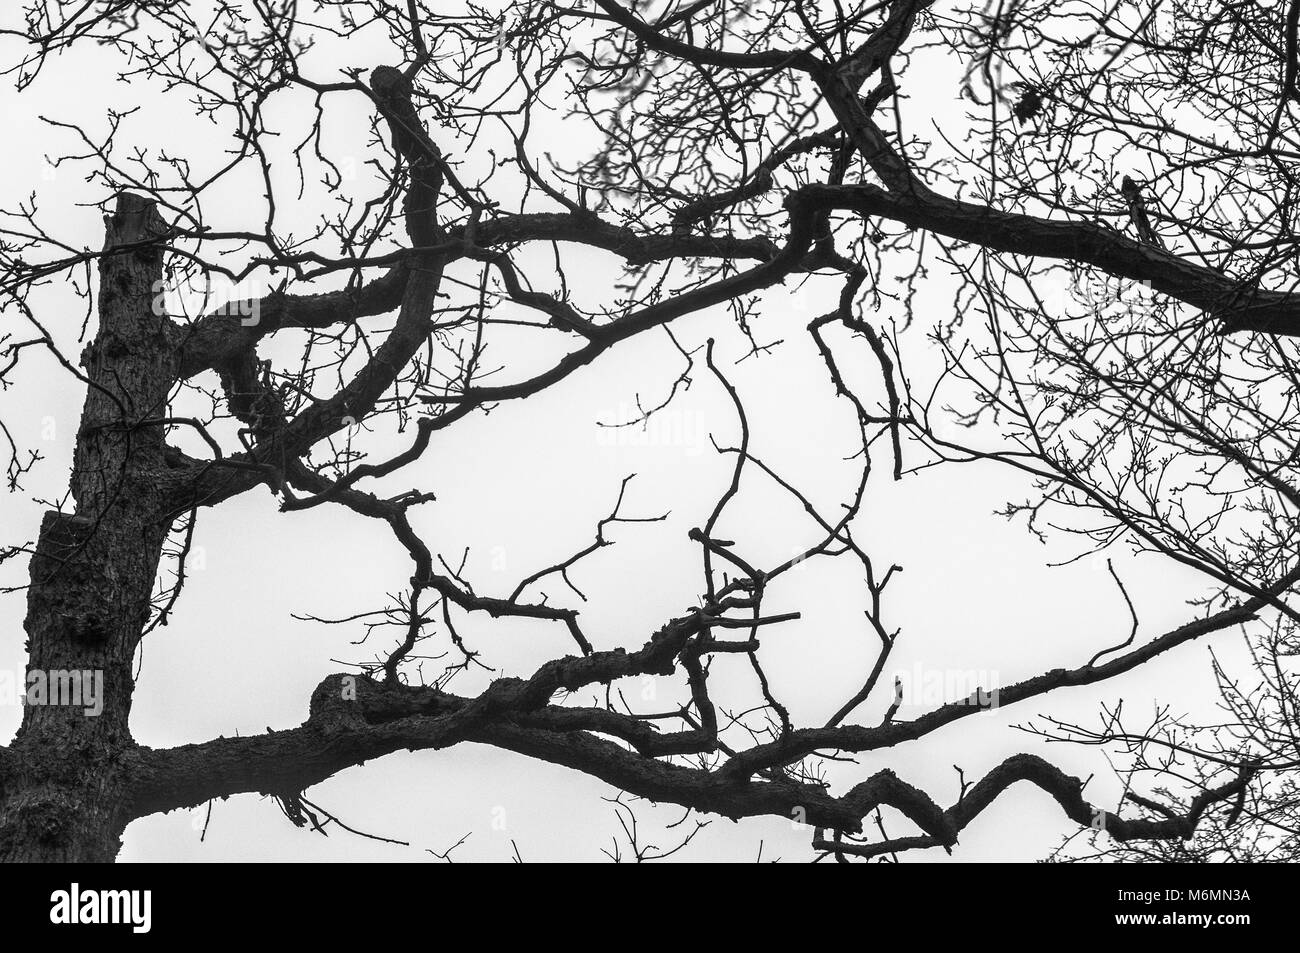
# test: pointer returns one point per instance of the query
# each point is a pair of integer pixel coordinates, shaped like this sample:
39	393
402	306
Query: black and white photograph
699	432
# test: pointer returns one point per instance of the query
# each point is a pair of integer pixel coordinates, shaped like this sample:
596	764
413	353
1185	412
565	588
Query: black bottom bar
334	902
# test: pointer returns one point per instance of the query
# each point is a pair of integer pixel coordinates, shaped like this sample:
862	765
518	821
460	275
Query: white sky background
524	487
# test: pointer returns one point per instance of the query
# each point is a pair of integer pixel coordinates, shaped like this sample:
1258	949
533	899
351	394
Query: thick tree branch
215	340
1238	305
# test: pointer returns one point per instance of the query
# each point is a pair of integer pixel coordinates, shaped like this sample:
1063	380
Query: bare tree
1111	184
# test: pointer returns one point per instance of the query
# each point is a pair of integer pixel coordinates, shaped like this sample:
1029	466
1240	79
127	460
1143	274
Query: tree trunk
63	797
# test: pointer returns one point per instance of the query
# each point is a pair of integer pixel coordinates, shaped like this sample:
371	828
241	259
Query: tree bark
63	797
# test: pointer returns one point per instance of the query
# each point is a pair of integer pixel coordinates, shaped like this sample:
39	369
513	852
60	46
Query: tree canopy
1052	241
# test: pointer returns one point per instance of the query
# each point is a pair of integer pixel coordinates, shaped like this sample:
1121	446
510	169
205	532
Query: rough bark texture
93	571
